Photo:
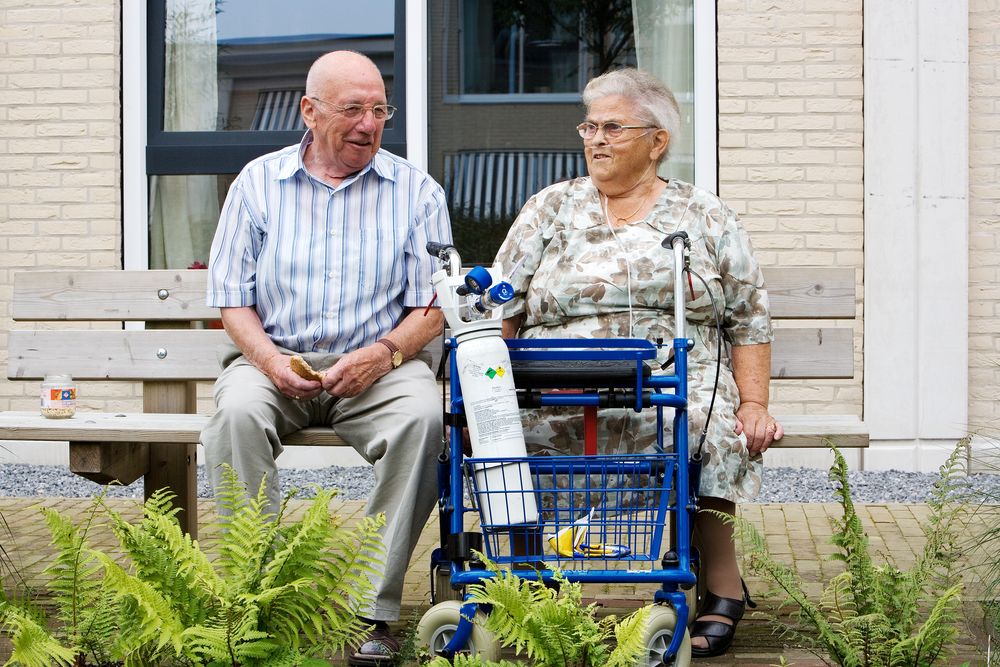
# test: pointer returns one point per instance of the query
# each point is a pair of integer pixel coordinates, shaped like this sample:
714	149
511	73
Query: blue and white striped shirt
328	269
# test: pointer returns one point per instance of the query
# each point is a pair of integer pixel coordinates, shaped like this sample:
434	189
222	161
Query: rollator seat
576	374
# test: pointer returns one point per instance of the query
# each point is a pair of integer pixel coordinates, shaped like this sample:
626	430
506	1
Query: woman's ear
661	142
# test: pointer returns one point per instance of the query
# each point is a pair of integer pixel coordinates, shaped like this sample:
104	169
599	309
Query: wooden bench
175	351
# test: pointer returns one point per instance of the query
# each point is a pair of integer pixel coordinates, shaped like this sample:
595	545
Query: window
542	50
505	96
224	82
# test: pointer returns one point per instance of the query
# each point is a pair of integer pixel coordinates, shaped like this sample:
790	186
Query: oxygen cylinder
494	419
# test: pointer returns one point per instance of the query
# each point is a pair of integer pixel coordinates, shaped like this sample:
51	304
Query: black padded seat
576	374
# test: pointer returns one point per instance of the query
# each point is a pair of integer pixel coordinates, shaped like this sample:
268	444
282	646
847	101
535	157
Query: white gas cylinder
490	402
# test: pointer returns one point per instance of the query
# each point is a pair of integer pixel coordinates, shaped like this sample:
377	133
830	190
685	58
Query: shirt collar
294	162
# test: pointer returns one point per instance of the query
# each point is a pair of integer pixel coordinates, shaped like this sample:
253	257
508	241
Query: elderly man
320	252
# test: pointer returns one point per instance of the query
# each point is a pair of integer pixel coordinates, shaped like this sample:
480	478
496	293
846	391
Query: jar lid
59	378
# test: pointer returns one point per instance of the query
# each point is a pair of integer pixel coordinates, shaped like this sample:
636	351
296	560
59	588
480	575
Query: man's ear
308	109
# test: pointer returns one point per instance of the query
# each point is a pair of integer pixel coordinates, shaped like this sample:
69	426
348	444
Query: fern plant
874	614
277	594
550	626
83	611
983	546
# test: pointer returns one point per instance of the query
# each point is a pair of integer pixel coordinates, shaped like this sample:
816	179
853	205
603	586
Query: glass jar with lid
58	397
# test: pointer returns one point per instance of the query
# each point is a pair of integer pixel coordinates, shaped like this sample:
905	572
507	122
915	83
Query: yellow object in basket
566	541
600	550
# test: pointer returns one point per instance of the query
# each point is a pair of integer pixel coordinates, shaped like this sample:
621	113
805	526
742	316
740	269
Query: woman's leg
720	571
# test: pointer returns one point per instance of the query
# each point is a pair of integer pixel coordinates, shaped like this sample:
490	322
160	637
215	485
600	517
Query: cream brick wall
984	216
60	142
791	150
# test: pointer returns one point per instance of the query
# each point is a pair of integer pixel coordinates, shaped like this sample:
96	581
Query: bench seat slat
800	430
191	354
131	427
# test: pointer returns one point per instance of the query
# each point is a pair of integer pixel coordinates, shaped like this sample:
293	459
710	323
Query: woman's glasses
611	130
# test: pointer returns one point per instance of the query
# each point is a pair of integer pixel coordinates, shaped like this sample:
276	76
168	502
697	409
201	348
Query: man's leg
396	426
246	430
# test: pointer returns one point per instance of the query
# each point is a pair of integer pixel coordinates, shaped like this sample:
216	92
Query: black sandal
377	649
718	635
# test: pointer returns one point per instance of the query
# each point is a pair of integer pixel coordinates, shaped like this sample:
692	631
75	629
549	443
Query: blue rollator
598	518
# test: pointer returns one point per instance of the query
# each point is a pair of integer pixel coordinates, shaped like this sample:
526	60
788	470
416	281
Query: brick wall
791	149
984	216
60	138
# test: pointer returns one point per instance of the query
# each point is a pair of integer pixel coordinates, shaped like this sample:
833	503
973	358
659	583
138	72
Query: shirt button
331	274
329	314
333	233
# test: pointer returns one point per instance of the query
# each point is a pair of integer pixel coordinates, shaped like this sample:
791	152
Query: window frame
228	151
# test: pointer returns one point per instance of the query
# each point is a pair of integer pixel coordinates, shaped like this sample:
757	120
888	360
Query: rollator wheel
660	628
438	626
442	587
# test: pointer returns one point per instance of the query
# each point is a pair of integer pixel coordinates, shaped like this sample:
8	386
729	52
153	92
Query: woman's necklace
619	220
607	200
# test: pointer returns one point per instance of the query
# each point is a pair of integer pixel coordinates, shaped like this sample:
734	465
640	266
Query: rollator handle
679	244
439	250
668	242
447	254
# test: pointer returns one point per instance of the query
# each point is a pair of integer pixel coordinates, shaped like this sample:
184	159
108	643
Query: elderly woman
587	262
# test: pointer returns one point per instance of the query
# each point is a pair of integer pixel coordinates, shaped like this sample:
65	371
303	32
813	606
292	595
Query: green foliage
277	594
465	660
7	568
552	628
983	544
33	645
874	614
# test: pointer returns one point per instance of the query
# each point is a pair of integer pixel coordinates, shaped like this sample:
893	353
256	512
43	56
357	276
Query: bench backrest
177	345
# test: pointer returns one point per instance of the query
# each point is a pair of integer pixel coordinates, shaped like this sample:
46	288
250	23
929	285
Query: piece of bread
302	368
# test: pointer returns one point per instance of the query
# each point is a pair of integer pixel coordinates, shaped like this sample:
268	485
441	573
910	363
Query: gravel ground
796	485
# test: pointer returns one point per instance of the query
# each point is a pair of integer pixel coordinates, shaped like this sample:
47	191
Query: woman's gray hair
655	103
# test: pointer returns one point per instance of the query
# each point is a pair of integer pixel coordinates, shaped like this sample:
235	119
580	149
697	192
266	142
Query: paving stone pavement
798	534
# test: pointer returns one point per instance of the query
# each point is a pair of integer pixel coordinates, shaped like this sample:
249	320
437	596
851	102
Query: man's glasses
356	111
610	130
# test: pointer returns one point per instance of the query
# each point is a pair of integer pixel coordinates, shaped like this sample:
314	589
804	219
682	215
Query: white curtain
664	46
184	210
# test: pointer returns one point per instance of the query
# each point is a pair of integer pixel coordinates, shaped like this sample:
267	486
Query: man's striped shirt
328	269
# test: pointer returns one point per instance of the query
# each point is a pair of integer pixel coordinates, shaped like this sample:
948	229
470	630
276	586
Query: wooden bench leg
107	462
176	467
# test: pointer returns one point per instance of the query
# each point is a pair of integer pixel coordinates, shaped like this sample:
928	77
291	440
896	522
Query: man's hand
356	371
287	381
760	427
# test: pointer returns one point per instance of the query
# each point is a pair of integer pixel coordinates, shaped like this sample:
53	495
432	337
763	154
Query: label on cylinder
497	418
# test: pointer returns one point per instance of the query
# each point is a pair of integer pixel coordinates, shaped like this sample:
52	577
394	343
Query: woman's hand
760	427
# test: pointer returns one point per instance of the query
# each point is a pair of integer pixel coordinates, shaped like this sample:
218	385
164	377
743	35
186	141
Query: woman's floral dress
571	282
